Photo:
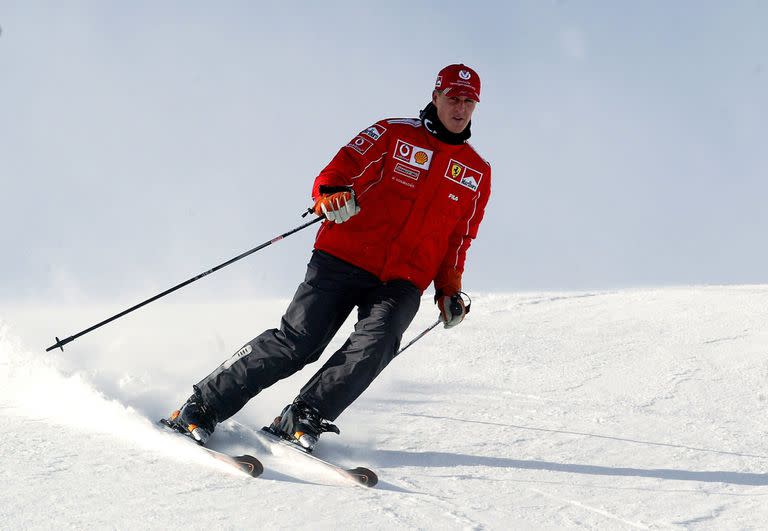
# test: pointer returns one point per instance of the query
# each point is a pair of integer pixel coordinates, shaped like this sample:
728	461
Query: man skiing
402	201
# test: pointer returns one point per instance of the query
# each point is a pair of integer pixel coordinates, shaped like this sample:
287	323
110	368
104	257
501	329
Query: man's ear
434	97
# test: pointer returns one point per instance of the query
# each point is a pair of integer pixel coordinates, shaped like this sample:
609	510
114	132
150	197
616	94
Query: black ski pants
330	291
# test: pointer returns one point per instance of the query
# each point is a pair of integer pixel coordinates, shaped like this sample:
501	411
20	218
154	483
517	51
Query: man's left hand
452	309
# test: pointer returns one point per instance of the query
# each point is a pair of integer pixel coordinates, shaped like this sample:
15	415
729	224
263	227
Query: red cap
458	80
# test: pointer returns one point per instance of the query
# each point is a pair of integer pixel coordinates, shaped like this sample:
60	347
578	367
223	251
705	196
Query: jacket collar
433	124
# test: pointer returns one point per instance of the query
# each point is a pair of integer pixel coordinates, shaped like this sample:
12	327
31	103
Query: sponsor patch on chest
413	155
463	175
411	173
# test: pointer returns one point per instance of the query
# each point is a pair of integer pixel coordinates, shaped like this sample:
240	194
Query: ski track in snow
628	409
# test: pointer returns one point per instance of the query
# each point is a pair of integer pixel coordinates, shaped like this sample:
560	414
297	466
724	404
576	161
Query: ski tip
245	463
364	476
250	465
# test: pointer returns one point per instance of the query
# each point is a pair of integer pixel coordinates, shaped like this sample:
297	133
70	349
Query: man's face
454	113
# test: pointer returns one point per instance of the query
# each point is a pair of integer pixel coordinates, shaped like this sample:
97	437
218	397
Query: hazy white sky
144	142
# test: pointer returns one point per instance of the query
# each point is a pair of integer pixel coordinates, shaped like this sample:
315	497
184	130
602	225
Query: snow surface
630	409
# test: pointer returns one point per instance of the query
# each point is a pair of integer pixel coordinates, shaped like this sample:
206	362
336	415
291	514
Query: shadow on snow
391	458
388	458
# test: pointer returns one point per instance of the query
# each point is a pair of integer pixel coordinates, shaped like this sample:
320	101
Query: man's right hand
337	206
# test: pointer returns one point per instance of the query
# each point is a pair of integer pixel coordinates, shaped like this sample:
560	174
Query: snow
628	409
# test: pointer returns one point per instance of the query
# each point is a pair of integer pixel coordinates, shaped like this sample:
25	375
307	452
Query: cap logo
439	81
464	74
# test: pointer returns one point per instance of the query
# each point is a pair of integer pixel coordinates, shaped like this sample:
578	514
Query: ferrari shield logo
463	175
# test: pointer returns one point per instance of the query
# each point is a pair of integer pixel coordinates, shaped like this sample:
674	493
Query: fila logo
453	197
413	155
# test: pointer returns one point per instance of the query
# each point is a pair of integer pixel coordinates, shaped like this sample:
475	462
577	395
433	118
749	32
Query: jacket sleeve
448	278
356	163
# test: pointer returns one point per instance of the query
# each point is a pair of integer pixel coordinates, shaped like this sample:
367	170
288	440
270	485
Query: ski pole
61	342
454	309
415	339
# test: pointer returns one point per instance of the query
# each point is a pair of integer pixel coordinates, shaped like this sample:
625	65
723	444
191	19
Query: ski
245	463
360	475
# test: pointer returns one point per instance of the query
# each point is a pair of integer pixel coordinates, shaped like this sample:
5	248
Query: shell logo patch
420	157
413	155
463	175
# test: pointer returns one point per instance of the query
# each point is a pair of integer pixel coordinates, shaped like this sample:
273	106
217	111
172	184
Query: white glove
337	207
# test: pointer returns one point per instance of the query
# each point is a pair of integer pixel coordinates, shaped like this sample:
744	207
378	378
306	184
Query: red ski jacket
421	202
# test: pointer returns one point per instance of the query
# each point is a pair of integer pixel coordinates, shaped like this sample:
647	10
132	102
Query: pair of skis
254	468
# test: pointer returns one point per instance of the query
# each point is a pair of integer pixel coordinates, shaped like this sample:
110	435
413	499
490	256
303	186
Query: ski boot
195	419
301	424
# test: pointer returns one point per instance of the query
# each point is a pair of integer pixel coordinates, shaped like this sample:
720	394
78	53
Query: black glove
452	308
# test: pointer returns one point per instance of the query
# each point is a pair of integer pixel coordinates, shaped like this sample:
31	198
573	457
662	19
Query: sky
143	143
